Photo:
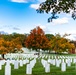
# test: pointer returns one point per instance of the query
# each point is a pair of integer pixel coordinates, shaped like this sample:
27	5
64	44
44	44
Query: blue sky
20	16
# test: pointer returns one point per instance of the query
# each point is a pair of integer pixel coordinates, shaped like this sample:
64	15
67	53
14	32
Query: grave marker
63	66
28	69
7	68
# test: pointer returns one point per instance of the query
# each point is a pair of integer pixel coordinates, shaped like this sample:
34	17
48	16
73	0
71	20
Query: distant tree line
36	40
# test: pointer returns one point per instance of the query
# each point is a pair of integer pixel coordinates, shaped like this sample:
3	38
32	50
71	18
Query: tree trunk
3	56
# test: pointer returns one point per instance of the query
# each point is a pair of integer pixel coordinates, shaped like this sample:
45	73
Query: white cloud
61	21
25	1
41	0
34	6
71	37
16	28
19	1
72	32
41	26
44	28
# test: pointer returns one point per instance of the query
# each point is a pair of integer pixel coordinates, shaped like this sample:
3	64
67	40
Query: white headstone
57	63
21	62
0	65
74	61
3	62
63	66
24	61
62	60
44	63
53	61
47	67
16	64
7	68
27	61
49	61
69	62
32	63
28	69
12	61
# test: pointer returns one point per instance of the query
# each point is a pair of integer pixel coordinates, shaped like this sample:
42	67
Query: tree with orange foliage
17	45
2	48
60	44
37	40
10	46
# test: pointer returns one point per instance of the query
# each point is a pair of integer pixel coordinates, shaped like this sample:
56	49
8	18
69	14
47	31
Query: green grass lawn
39	70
